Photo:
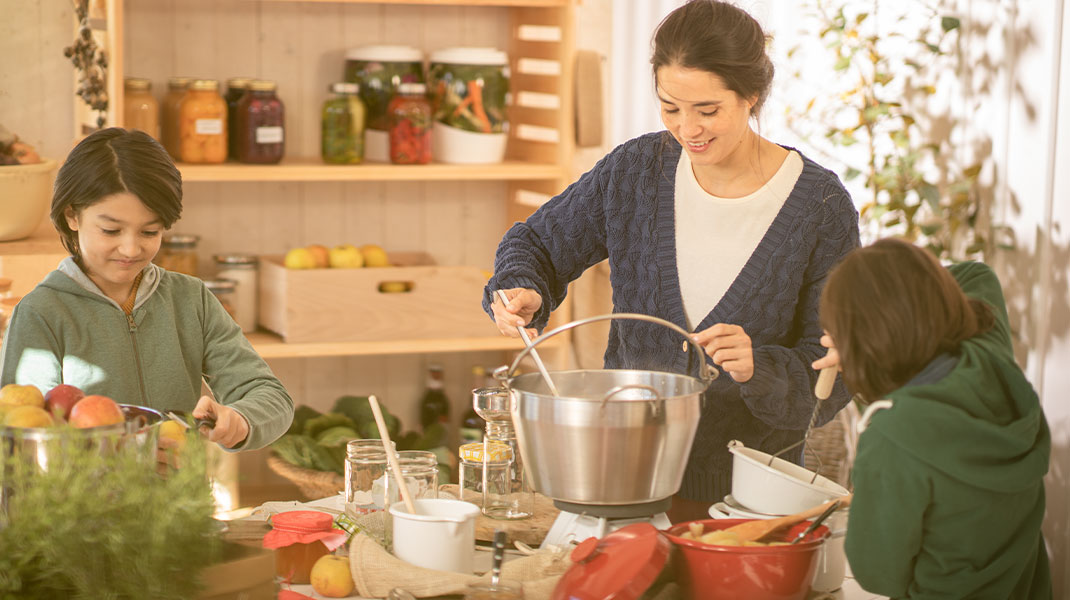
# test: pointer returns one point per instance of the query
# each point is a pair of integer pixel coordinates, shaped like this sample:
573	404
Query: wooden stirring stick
825	380
752	531
391	458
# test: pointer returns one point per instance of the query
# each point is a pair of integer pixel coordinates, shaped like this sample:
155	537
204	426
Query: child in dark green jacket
949	473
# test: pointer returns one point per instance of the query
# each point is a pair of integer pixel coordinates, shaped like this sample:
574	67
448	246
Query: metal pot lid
620	566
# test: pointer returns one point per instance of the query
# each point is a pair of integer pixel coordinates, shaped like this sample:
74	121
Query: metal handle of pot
634	386
706	373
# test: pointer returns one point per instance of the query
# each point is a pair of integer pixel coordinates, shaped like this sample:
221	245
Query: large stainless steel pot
611	436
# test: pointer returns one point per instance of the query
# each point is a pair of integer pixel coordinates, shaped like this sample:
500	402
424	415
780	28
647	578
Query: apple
96	411
374	256
320	254
61	399
27	416
330	576
21	395
346	256
299	258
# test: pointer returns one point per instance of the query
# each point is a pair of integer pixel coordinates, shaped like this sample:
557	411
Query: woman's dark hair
719	38
890	309
112	161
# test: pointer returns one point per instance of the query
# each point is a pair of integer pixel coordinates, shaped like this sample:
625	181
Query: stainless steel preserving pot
611	436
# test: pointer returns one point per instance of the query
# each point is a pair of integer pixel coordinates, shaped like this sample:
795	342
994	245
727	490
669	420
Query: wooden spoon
752	531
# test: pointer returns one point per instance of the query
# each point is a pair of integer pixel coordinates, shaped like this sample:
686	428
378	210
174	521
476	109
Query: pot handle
634	386
706	373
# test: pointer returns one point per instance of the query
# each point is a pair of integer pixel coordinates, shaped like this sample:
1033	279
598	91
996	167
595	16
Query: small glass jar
241	268
170	115
140	109
178	253
223	290
486	590
410	125
236	87
342	141
471	476
260	127
420	469
203	124
294	558
365	468
519	501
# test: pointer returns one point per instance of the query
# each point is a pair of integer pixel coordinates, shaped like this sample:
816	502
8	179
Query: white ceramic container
441	537
775	486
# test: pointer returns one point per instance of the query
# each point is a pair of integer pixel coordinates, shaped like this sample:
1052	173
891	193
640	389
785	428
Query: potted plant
25	187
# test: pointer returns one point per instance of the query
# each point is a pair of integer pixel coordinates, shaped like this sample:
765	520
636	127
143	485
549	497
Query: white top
716	236
470	56
386	54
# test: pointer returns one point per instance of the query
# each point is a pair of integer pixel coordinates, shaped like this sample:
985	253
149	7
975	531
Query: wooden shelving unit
316	170
271	346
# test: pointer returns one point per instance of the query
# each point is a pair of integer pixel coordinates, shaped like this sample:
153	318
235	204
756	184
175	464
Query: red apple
95	411
61	399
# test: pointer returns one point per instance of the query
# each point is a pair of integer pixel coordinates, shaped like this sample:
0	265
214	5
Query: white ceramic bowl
775	486
25	196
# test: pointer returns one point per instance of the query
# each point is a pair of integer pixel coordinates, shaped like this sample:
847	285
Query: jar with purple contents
260	124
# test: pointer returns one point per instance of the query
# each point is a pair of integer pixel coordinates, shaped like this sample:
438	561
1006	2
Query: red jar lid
620	566
303	527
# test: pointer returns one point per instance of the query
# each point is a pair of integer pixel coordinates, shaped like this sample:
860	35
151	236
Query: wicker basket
313	484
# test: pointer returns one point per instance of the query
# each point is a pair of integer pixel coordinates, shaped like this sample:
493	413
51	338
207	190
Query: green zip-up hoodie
67	331
948	481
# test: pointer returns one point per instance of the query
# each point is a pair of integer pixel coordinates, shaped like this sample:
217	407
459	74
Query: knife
816	522
209	422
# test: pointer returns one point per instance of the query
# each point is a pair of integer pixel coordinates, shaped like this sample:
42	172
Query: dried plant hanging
92	64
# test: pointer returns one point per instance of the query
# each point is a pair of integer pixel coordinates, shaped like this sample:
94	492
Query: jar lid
622	565
412	88
137	84
473	452
238	83
470	56
262	85
344	87
181	239
204	85
220	285
303	527
236	259
5	284
179	82
385	54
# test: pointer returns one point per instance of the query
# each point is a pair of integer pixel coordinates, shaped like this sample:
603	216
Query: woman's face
709	120
117	238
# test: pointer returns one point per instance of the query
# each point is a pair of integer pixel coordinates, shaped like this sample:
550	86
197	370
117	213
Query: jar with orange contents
202	126
300	538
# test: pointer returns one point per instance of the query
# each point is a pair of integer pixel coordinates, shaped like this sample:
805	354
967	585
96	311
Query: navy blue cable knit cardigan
623	209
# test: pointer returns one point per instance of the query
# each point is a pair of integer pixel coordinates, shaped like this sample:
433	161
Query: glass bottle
140	109
202	127
170	115
410	125
434	405
178	253
242	268
260	124
342	141
472	424
235	89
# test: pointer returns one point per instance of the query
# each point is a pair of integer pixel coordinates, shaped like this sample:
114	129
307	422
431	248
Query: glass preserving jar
169	115
410	125
471	471
223	290
342	141
260	124
178	253
235	89
469	94
300	538
241	268
203	123
140	109
380	70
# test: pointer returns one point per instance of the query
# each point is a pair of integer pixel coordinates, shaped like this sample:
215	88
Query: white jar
242	269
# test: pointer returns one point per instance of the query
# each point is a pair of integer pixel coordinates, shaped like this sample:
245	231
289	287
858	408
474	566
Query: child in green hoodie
948	477
111	322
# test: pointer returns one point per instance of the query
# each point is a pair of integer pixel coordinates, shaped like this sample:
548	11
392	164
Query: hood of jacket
78	283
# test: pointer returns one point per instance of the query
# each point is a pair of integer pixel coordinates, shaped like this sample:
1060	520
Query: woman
949	478
707	225
110	322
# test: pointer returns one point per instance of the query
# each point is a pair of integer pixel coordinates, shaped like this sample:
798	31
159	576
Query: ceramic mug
441	537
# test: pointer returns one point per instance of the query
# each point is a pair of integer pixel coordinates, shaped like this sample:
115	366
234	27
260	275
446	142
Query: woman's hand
522	306
730	348
831	358
230	429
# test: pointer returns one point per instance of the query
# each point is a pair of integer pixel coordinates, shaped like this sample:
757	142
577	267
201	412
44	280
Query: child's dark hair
719	38
891	308
112	161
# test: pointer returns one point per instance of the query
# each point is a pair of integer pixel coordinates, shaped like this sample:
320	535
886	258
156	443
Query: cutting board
530	531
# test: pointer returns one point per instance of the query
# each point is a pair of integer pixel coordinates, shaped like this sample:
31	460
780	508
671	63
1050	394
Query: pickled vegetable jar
140	109
170	117
380	70
410	125
203	123
260	124
469	93
235	89
342	141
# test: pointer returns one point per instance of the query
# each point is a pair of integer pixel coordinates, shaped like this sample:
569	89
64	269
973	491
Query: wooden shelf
269	346
520	3
45	240
315	170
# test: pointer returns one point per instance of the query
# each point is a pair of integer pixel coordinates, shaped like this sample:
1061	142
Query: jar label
208	126
269	135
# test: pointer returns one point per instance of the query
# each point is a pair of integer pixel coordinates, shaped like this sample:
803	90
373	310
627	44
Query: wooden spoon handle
825	380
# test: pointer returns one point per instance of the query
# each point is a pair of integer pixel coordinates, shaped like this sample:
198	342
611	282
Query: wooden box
350	305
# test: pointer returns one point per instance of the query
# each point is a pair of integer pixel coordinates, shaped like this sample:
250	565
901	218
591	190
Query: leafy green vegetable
358	409
302	414
319	424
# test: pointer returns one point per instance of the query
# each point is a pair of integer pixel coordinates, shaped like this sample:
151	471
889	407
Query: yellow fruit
320	254
374	256
346	256
299	258
27	416
331	577
22	395
170	430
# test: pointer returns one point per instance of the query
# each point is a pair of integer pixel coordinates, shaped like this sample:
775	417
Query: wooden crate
347	305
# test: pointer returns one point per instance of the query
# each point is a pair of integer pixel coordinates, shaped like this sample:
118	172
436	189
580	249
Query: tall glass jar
178	253
170	115
380	70
140	109
410	125
260	124
342	141
242	269
223	290
235	89
203	123
518	502
470	93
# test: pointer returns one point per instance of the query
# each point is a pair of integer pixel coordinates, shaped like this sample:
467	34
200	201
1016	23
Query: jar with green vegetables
380	70
342	141
469	93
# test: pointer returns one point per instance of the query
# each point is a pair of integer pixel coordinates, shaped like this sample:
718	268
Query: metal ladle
534	354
